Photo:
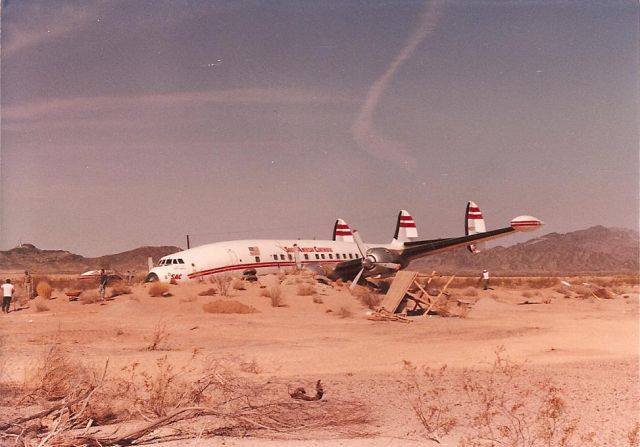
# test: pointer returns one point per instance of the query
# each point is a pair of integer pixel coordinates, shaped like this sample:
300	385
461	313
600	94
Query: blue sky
128	123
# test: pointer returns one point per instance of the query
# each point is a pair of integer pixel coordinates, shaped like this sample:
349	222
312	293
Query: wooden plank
433	301
399	287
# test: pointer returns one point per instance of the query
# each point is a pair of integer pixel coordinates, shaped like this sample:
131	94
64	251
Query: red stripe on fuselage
256	265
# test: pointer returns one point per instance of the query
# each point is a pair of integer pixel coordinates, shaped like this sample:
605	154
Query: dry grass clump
158	288
318	300
228	307
274	293
120	289
44	290
159	337
238	284
209	292
56	375
501	406
344	312
89	297
41	306
222	283
370	299
306	289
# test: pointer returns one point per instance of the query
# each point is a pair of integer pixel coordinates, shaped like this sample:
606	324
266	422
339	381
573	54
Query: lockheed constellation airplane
346	256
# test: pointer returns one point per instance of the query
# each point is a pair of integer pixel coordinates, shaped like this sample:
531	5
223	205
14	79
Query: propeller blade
358	240
356	279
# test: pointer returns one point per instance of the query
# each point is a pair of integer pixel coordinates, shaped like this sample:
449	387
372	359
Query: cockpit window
161	262
180	261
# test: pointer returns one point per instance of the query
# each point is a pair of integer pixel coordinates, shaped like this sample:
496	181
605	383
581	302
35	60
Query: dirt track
588	346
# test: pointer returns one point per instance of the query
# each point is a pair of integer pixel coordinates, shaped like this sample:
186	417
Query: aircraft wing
417	249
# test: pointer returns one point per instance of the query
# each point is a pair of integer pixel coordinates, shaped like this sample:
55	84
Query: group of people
8	290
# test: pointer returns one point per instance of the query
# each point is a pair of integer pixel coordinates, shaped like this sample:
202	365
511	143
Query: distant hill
594	250
29	257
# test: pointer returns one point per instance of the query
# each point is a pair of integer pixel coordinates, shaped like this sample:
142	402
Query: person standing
28	285
485	279
102	284
7	294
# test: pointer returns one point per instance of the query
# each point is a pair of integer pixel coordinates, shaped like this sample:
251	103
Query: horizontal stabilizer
526	223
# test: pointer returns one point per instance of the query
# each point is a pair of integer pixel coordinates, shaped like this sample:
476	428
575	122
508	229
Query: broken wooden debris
301	393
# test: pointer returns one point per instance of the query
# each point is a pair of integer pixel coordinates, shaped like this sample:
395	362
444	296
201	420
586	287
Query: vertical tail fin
473	224
342	232
405	227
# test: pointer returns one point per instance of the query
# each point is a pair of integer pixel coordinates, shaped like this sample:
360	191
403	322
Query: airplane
345	255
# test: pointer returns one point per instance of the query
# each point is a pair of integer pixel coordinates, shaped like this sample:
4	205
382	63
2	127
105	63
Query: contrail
362	129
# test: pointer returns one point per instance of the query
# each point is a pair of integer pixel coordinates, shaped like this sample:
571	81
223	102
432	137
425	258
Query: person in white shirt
485	279
7	294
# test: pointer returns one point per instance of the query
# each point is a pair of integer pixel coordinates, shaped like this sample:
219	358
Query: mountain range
593	250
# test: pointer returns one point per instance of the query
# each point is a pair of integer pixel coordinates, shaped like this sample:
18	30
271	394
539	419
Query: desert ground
529	362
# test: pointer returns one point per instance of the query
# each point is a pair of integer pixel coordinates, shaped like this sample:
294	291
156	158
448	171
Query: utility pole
188	244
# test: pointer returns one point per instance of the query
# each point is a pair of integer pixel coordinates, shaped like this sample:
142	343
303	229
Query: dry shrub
317	299
56	375
344	312
427	394
250	367
228	307
120	289
603	293
209	292
238	284
89	297
470	291
306	289
370	299
44	290
158	288
41	306
159	336
339	283
222	283
274	293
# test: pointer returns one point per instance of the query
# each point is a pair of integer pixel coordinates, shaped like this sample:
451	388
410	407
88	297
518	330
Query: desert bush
56	375
209	292
41	306
238	284
427	397
222	283
158	337
369	299
274	293
120	289
44	290
344	312
227	307
317	299
250	367
603	293
158	288
306	289
89	297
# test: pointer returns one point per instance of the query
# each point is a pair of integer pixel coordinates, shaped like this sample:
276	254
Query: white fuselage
264	255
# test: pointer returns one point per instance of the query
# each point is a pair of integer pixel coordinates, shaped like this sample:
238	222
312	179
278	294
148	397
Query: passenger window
350	255
257	258
306	256
275	257
282	257
322	255
317	256
290	257
330	256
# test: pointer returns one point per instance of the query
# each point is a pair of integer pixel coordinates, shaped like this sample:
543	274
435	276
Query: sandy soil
588	347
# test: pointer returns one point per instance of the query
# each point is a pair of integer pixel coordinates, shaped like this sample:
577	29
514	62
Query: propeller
368	260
